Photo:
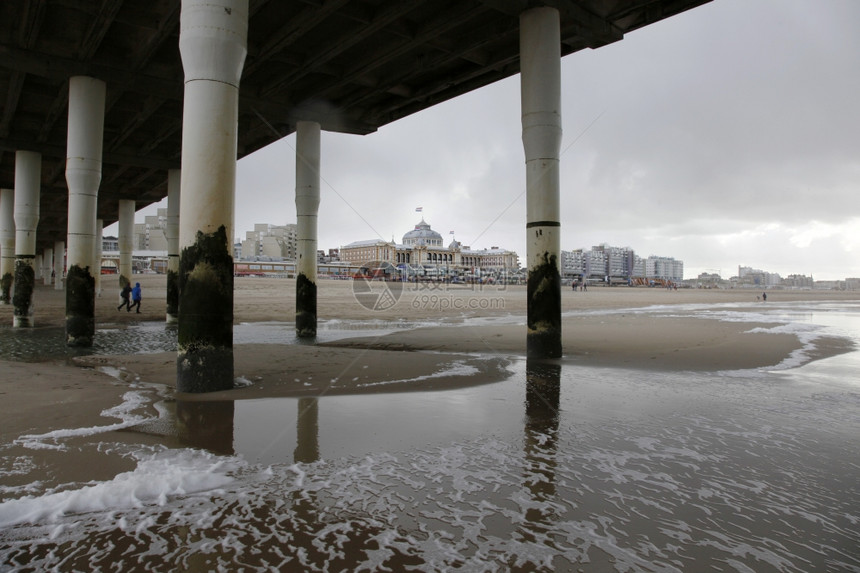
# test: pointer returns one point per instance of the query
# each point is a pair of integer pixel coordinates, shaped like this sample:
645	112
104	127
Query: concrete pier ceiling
349	65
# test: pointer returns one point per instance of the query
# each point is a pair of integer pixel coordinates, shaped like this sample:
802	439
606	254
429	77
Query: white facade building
748	276
423	251
572	263
273	241
619	264
666	268
150	235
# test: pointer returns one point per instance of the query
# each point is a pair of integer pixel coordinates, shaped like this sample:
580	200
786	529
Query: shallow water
35	344
560	467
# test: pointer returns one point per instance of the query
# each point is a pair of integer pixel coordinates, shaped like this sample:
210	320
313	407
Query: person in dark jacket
124	294
135	297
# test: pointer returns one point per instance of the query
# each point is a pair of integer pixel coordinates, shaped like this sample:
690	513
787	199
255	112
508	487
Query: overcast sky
728	135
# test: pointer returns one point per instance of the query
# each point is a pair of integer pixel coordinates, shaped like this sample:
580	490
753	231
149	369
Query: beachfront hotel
619	265
422	252
273	241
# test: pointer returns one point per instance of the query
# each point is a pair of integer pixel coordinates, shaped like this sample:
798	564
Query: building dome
422	234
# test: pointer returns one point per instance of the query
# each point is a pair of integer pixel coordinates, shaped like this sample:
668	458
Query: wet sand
93	425
39	397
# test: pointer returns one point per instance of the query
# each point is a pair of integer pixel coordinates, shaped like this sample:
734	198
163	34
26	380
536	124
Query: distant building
492	259
749	277
150	235
271	241
110	243
708	280
370	250
666	268
798	282
332	256
616	260
422	251
572	263
829	285
618	264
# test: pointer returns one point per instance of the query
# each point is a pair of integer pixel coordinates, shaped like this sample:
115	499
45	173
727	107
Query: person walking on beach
135	297
764	297
124	294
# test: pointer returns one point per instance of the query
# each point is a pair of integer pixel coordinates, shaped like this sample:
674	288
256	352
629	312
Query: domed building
422	235
423	253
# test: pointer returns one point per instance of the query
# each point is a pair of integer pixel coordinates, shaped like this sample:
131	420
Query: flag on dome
419	209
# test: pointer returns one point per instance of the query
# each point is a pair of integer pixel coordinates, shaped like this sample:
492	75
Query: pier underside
350	65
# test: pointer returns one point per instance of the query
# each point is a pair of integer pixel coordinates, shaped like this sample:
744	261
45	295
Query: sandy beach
395	361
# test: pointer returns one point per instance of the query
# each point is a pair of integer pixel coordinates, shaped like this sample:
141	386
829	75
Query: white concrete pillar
59	263
174	183
540	77
213	44
126	240
47	265
307	209
83	176
7	244
28	174
97	256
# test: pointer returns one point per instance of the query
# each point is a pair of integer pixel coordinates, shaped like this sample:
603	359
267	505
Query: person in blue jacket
135	298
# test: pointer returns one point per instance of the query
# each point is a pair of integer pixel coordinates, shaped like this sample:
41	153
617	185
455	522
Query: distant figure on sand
764	296
135	297
124	294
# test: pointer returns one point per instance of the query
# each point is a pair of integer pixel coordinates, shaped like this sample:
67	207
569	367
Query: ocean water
558	468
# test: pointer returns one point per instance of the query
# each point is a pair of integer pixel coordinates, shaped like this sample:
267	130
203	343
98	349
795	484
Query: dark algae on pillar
80	306
25	280
205	333
306	307
544	309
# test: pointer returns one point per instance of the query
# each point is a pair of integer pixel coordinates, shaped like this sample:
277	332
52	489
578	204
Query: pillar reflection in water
207	425
307	432
540	447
